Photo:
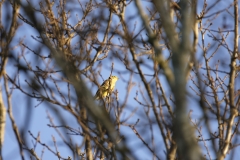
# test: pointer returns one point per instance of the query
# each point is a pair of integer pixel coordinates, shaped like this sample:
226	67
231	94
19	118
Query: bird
106	88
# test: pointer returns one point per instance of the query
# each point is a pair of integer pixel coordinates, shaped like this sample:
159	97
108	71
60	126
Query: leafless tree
178	93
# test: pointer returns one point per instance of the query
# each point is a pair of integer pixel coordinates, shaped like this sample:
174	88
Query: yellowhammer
106	88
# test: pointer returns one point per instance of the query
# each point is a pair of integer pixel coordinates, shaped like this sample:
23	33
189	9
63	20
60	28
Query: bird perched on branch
106	88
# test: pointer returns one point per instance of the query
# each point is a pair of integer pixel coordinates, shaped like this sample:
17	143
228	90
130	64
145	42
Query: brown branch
233	109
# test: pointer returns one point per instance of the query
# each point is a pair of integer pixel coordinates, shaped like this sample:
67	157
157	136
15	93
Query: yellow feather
106	88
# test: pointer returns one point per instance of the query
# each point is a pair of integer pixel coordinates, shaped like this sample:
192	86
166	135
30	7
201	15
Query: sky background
25	110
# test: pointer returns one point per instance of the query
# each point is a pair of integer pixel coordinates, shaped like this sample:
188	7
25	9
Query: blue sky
25	110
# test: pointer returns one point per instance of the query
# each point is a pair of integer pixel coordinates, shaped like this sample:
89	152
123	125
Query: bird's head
114	78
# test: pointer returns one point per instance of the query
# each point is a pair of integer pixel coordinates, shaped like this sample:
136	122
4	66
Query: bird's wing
104	85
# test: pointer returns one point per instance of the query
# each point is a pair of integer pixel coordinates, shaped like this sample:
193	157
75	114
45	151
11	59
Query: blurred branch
2	122
85	99
154	42
69	46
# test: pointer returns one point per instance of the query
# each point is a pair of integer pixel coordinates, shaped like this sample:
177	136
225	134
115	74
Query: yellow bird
106	88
